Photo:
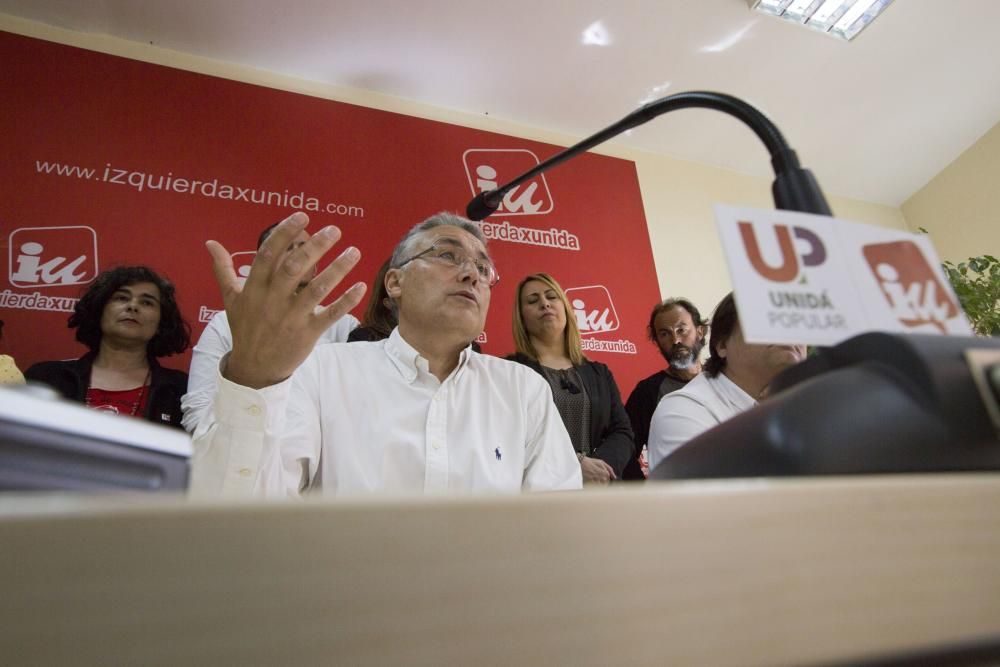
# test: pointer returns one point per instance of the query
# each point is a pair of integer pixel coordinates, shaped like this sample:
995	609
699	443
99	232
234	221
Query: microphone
566	385
794	188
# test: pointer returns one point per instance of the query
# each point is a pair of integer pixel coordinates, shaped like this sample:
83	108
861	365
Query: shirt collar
731	393
408	361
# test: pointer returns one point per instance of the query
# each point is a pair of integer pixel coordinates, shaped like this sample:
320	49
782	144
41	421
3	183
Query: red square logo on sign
52	256
909	284
242	261
593	308
489	168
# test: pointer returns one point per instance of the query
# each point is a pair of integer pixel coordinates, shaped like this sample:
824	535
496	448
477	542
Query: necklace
135	403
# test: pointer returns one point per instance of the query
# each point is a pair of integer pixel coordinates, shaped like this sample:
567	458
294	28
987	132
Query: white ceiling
875	119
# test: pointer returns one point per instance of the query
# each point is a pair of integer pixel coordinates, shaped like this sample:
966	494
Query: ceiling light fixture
840	18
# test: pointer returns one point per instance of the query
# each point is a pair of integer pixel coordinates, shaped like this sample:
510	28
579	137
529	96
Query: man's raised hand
275	323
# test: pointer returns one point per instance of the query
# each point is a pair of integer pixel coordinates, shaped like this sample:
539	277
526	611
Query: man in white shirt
734	378
217	340
416	412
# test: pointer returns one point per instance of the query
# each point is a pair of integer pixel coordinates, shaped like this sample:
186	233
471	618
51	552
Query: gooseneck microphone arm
794	188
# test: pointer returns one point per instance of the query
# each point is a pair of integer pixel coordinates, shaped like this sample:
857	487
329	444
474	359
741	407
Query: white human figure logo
516	200
593	321
913	302
31	269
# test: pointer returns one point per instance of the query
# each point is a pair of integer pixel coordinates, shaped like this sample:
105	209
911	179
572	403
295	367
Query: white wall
960	207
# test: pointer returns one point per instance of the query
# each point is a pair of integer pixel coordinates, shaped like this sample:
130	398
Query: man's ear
393	283
702	331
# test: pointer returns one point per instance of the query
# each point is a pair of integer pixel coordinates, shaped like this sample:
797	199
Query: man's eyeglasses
447	253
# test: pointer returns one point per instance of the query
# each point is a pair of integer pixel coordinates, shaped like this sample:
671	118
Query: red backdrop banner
112	161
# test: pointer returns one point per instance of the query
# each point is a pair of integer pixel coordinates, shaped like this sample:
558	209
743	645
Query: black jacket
610	432
640	406
71	379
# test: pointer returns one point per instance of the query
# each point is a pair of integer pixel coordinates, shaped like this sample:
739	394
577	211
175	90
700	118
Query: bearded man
678	330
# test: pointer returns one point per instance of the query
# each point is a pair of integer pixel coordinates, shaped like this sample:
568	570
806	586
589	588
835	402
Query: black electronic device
876	403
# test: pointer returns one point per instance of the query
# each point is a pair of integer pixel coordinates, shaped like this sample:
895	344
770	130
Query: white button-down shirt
360	417
216	341
699	405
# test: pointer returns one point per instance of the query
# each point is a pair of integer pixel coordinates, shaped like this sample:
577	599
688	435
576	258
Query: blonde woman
548	340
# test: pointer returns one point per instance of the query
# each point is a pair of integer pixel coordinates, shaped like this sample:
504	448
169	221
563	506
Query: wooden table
707	573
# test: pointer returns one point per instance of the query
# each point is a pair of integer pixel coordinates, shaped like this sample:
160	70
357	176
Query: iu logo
242	261
594	310
787	269
913	291
52	256
489	168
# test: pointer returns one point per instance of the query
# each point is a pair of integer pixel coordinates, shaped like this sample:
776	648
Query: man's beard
683	357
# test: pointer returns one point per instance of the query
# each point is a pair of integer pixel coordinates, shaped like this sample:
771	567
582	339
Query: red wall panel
102	154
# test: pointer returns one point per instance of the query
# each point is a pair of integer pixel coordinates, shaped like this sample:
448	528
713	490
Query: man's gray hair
402	250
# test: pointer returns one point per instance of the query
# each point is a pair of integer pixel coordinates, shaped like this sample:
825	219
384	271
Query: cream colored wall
959	206
678	196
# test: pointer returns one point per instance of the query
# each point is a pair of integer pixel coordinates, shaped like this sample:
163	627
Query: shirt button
254	410
245	472
436	445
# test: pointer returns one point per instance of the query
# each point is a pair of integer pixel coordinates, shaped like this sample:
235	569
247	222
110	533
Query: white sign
802	278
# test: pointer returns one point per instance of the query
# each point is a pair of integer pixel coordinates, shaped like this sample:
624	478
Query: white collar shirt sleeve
215	342
369	417
684	414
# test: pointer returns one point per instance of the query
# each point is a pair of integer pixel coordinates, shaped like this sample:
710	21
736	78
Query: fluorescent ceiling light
840	18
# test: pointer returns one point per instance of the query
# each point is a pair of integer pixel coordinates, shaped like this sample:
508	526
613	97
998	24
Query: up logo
489	168
909	284
52	256
593	308
787	269
242	261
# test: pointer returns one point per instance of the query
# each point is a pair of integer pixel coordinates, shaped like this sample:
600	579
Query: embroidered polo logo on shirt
497	452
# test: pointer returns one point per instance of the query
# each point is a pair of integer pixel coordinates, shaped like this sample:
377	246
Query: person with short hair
678	330
547	339
734	378
217	340
416	412
380	317
128	318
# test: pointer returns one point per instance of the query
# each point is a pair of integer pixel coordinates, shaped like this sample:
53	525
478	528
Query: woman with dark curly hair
128	317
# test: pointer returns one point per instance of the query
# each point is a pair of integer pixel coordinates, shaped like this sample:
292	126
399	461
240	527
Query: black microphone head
483	205
797	190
